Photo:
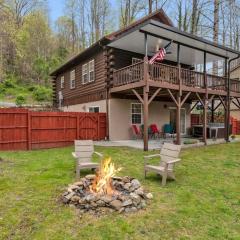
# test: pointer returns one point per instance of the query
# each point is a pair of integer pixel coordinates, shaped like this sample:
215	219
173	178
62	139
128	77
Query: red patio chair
136	131
155	131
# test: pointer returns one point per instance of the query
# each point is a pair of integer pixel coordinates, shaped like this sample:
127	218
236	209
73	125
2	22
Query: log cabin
114	76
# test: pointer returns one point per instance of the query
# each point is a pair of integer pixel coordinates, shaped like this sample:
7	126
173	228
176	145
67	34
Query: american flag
159	56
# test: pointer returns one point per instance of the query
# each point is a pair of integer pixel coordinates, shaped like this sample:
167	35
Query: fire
102	183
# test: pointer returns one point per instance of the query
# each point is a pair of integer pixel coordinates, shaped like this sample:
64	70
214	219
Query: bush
31	88
20	100
42	94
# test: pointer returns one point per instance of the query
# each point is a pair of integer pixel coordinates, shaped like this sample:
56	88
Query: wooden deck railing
235	85
170	74
129	74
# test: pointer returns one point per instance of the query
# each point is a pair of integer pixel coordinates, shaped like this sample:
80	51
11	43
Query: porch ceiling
192	47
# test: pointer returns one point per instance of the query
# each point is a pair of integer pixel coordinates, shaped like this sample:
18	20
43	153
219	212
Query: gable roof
158	15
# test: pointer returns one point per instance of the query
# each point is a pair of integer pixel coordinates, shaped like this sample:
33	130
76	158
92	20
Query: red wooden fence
21	129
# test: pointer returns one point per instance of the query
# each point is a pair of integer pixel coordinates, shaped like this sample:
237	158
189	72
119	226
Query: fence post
29	130
98	129
77	126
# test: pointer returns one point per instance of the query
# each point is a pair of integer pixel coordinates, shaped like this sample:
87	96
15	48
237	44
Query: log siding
83	92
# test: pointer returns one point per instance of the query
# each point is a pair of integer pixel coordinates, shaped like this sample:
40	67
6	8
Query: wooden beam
154	95
238	101
178	120
199	98
138	96
205	121
185	98
212	111
171	95
236	104
221	100
145	118
217	106
196	103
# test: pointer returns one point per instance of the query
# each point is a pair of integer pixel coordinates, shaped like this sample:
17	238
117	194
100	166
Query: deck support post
179	103
205	109
205	101
212	111
145	97
227	101
178	120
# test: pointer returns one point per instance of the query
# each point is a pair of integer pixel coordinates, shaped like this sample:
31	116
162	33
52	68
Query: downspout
228	96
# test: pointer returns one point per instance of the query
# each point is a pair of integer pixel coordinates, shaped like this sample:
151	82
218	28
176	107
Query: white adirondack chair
84	151
168	157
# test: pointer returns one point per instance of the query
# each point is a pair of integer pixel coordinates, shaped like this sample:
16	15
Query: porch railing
170	74
129	74
235	85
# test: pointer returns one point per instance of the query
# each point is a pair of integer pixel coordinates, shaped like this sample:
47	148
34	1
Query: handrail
160	72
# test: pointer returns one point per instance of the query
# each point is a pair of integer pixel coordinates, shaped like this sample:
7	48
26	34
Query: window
136	113
88	72
94	109
84	73
62	81
91	71
72	79
136	60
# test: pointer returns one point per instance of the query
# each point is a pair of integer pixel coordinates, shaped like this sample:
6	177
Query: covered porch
188	75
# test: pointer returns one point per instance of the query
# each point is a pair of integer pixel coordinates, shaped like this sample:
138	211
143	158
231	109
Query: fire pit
104	191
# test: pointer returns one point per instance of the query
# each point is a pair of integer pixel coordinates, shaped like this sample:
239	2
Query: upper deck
172	77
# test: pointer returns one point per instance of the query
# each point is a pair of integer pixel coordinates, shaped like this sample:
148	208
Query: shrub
20	100
42	94
31	88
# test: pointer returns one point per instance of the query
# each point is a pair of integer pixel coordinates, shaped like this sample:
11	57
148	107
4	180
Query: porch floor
153	143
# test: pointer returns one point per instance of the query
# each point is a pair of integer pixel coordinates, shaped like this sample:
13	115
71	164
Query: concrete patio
155	143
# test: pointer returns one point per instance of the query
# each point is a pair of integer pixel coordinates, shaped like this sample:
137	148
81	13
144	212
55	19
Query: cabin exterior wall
120	117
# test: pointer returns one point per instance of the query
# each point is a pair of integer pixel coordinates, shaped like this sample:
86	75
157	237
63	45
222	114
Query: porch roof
192	47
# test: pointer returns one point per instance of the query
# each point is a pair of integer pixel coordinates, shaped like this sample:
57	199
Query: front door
173	117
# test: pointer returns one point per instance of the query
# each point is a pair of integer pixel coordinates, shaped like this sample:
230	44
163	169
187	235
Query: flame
102	184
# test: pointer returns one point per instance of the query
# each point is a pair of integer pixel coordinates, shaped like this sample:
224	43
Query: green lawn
204	202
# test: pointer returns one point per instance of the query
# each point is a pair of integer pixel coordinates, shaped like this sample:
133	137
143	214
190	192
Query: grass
204	202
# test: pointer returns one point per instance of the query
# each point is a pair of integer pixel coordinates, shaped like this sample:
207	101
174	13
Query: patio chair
168	157
149	131
168	130
136	131
155	131
84	150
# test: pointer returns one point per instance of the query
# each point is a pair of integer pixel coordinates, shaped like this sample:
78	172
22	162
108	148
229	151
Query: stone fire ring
130	198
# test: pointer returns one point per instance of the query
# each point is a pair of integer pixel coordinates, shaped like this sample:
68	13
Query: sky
56	8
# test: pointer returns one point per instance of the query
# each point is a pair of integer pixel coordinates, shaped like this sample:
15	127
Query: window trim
86	71
94	107
137	113
72	80
89	71
83	74
62	81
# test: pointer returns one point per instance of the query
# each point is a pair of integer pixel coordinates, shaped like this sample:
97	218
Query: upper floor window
136	112
84	73
72	79
62	81
88	72
91	71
